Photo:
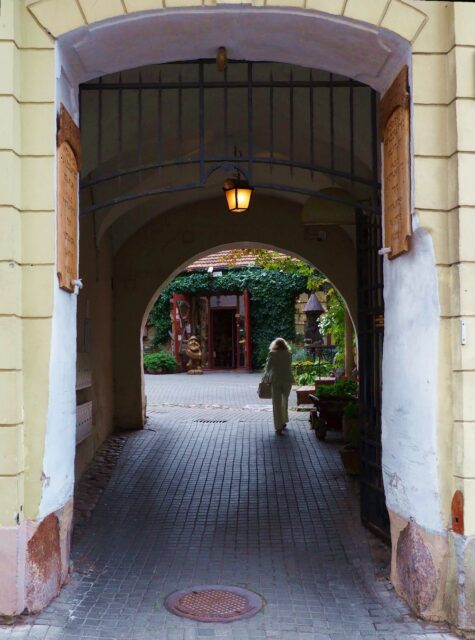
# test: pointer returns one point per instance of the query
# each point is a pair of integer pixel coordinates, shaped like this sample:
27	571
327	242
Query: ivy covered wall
272	295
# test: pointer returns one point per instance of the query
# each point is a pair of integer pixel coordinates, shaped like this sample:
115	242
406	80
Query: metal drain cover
214	603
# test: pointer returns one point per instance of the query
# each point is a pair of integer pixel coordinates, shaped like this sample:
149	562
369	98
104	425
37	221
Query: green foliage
351	410
332	322
343	388
276	261
160	318
159	362
272	294
306	372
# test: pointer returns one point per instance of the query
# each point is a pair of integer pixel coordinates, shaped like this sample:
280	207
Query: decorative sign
397	166
68	165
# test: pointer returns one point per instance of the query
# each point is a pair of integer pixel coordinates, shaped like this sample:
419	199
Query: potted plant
350	418
331	401
350	453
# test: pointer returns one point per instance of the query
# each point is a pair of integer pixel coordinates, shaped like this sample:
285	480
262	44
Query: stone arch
161	248
223	247
378	36
404	18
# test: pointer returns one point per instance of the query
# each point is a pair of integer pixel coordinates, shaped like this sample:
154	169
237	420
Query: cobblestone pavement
211	495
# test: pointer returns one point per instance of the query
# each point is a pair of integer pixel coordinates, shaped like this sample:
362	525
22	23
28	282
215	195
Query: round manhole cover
214	603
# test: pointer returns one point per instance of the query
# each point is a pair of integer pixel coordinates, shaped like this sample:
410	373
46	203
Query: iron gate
171	128
170	106
370	345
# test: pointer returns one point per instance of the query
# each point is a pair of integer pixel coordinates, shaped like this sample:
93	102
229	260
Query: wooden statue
193	351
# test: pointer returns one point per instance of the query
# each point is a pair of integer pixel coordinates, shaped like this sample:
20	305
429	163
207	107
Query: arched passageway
146	232
122	251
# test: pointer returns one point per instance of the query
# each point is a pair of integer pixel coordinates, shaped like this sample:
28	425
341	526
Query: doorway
223	338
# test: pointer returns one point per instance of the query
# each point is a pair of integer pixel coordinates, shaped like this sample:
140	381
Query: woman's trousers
280	403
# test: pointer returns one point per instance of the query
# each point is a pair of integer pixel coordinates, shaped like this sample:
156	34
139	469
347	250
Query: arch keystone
95	11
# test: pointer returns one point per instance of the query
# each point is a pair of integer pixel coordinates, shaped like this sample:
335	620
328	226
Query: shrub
344	387
159	362
306	372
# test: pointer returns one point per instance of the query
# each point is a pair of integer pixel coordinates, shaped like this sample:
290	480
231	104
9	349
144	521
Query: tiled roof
221	260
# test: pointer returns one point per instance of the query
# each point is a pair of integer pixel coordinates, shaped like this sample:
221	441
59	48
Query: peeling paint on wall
409	412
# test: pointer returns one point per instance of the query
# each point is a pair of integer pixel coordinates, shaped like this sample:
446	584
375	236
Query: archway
382	73
137	260
239	283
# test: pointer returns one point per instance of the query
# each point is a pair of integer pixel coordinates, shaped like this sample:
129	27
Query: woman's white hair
279	344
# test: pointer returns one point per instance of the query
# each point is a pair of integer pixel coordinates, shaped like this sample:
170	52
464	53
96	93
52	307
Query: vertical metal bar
311	128
352	133
271	115
139	127
180	117
250	130
159	119
120	133
332	125
291	122
226	115
99	127
202	122
119	122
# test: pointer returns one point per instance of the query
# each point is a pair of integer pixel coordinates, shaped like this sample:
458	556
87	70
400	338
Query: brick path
209	494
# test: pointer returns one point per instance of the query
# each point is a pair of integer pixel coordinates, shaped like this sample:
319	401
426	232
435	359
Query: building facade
48	48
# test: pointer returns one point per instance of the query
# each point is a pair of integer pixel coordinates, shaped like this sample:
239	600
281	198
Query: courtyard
206	494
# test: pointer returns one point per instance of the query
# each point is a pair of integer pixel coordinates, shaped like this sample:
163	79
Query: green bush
306	372
159	362
343	388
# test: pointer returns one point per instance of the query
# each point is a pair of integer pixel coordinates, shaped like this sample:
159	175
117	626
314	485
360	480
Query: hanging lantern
238	195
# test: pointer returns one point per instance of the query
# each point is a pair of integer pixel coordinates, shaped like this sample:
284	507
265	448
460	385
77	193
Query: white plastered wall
410	378
60	441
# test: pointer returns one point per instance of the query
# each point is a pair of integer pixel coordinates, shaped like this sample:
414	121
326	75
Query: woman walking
279	374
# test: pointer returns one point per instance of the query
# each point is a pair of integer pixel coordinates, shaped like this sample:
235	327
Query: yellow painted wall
27	143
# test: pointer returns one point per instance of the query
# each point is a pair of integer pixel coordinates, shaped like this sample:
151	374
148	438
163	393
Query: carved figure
193	351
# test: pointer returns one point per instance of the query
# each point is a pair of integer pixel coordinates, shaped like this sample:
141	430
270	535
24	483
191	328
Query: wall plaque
68	165
395	133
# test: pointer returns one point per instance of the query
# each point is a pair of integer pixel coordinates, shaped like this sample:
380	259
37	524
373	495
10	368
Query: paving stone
208	494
